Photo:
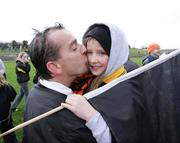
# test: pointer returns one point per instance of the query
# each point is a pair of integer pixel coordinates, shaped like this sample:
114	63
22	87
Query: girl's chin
95	73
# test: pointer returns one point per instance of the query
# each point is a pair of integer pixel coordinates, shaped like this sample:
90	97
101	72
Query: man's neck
65	81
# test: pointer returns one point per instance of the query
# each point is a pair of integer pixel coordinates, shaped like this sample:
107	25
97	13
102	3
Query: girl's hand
79	106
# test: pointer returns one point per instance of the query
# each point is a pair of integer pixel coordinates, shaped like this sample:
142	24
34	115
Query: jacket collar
115	74
56	86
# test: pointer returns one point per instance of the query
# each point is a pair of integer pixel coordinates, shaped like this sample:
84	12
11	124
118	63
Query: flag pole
32	120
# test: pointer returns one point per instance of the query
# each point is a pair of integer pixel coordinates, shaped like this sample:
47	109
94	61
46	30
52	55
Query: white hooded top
119	49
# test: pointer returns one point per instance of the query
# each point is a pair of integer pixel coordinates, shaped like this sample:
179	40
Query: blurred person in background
153	53
2	68
22	73
7	95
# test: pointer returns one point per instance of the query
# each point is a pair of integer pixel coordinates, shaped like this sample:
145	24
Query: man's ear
54	68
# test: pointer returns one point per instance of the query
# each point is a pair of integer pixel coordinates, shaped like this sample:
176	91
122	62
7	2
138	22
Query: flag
143	105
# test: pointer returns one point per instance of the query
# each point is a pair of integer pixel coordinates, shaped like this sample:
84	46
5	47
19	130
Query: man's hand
79	106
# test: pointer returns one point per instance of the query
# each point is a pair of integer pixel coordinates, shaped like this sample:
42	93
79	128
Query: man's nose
83	49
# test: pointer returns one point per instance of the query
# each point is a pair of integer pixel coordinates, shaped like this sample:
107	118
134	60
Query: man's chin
85	71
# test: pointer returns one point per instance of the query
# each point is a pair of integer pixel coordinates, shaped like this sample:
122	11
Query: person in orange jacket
153	53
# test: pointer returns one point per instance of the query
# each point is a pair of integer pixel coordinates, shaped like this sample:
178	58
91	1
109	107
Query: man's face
73	58
156	51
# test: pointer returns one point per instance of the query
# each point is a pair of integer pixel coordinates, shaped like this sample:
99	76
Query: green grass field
137	60
11	77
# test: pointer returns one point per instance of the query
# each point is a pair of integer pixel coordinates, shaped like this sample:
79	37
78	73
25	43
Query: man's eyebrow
73	42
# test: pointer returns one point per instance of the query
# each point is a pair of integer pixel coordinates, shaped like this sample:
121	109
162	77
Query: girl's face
97	57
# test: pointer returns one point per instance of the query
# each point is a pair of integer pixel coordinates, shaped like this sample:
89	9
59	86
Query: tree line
14	46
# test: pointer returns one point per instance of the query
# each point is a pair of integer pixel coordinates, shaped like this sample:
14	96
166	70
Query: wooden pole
32	120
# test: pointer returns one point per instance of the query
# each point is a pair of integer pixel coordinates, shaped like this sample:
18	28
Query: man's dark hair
42	49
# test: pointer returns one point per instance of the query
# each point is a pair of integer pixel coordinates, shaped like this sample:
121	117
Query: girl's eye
102	53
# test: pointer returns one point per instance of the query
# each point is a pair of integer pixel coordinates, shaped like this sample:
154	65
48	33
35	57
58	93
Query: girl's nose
92	58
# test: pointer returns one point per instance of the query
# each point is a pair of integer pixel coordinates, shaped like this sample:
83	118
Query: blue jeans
24	91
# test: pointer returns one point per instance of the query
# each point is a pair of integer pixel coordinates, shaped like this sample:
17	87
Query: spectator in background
2	68
153	53
22	72
7	95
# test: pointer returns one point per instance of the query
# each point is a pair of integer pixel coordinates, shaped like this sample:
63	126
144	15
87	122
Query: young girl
107	52
7	95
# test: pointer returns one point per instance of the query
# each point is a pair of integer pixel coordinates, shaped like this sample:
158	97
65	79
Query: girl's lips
94	67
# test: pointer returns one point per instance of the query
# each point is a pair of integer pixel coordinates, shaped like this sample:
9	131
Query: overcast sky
143	21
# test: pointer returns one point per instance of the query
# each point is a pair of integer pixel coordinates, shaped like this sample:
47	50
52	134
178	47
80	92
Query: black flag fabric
146	107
